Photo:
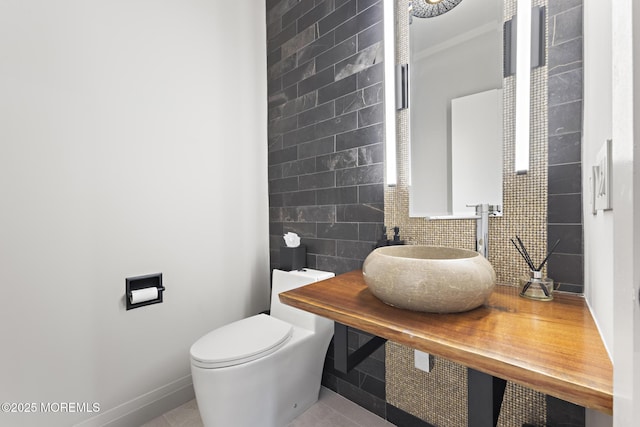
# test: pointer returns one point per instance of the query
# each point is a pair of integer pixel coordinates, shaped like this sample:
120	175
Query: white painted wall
612	239
626	194
598	229
132	141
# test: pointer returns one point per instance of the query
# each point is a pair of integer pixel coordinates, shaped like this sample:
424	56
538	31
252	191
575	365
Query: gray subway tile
563	179
274	57
565	118
279	126
278	213
316	147
281	156
302	229
275	143
339	160
371	154
297	74
315	213
365	4
360	99
274	86
371	35
276	200
338	266
370	366
359	137
283	185
373	212
322	129
566	268
283	96
361	21
570	236
337	89
299	167
297	11
370	174
338	230
275	228
564	209
275	8
370	232
317	180
358	62
317	114
565	148
280	38
274	172
373	94
297	42
353	249
336	54
567	26
299	104
316	48
316	14
299	198
316	81
372	193
321	246
337	196
558	6
371	115
334	19
565	56
565	87
370	76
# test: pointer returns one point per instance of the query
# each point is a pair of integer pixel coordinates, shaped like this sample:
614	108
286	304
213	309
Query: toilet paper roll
143	295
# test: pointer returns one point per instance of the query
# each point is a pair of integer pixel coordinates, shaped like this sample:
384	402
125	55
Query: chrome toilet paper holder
140	283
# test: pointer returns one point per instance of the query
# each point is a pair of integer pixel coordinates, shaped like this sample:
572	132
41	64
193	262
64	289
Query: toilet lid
241	342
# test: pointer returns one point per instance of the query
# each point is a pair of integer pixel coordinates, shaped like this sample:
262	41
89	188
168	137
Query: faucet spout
483	211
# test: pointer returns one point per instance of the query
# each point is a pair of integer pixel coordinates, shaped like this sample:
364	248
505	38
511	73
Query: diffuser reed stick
535	271
522	250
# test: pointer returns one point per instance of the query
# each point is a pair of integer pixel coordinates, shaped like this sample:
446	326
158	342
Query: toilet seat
241	342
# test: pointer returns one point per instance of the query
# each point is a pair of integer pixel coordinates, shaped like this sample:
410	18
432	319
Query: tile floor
331	410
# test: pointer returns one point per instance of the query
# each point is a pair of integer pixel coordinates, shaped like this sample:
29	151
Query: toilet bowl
264	370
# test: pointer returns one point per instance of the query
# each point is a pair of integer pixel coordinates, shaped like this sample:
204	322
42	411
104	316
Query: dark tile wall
326	130
326	148
565	168
565	135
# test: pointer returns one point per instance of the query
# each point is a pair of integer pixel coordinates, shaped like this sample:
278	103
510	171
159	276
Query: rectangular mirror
455	107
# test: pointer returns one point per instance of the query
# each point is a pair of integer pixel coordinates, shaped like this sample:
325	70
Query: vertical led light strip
523	85
389	92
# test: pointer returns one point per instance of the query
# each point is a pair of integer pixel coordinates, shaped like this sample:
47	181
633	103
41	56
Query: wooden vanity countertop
550	346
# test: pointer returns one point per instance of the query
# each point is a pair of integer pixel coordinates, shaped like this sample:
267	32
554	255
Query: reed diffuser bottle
533	285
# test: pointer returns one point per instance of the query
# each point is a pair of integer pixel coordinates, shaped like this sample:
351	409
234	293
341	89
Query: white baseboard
146	407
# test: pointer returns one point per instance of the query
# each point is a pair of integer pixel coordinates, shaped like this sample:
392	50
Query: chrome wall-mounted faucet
483	212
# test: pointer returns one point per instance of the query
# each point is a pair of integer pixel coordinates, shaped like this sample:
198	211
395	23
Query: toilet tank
287	280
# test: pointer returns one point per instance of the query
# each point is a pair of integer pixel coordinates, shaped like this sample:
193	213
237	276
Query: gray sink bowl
429	278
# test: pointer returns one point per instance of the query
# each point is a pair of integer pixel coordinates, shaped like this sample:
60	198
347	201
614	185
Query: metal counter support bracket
485	393
343	361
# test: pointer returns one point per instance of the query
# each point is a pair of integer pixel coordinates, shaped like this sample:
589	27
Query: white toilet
263	370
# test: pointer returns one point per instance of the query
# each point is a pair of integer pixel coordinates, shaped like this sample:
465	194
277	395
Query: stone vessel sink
429	278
